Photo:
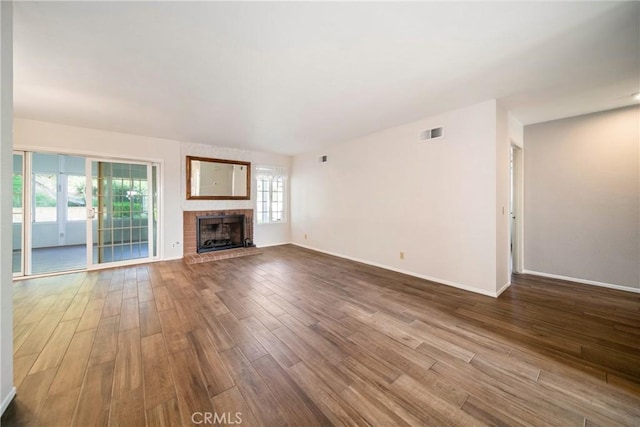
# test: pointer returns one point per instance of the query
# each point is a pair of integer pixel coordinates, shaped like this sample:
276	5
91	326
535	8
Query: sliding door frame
27	215
25	230
150	216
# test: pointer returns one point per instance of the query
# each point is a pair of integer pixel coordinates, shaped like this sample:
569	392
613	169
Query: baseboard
408	273
7	400
42	275
274	244
583	281
502	289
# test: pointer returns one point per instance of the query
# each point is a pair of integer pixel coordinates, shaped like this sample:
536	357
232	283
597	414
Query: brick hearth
220	255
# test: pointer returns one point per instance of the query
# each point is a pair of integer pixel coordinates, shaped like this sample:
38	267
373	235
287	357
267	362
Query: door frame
24	243
516	196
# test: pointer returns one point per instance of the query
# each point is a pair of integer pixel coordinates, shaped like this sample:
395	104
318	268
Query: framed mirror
217	179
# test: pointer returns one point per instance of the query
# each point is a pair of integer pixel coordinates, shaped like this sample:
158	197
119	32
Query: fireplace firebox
215	233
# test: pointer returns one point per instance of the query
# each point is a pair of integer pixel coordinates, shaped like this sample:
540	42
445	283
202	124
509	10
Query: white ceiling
292	77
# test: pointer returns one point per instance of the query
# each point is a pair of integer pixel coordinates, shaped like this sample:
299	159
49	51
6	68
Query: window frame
270	176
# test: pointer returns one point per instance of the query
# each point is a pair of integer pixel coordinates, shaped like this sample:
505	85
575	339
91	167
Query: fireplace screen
219	232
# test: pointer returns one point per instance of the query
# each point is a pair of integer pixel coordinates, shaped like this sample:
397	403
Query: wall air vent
430	134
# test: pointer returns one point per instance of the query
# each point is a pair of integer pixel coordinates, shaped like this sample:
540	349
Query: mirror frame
210	160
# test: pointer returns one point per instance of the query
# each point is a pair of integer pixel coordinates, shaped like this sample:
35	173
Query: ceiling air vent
434	133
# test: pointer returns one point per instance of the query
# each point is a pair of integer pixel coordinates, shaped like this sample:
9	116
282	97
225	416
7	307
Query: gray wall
582	197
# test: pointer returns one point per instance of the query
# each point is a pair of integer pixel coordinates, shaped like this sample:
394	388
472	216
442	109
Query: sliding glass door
57	213
122	209
75	213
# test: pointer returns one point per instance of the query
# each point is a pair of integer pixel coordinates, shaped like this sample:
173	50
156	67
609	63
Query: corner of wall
6	400
7	390
360	203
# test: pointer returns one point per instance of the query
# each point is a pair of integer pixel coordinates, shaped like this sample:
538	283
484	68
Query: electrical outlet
401	255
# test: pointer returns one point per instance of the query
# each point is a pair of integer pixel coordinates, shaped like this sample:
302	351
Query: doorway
75	213
57	213
516	209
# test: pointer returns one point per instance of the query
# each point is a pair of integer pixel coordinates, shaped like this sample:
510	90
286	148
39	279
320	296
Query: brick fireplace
218	226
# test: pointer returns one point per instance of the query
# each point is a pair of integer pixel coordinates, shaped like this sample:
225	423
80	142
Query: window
271	194
46	197
76	206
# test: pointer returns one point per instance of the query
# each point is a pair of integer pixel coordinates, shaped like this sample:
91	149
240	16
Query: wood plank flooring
294	337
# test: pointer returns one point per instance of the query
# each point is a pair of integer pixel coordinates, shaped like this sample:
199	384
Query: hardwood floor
294	337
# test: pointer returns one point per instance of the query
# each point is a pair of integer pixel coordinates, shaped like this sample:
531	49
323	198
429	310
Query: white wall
41	136
7	391
264	234
387	192
582	197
